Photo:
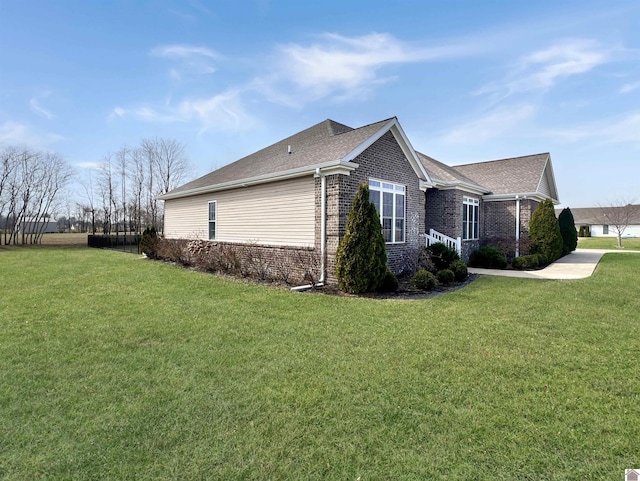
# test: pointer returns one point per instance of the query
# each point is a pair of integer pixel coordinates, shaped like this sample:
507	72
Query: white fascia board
522	196
552	183
394	126
460	186
333	167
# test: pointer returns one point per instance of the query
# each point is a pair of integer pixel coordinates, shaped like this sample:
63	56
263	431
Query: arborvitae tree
568	231
361	259
149	242
544	232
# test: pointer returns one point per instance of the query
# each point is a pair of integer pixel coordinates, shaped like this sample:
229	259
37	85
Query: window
605	229
389	200
470	218
212	220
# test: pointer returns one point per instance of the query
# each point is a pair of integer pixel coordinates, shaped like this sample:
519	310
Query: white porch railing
434	236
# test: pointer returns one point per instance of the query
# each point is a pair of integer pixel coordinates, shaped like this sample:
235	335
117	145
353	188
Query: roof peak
502	160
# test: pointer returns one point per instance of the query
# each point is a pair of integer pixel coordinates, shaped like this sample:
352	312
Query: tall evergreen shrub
361	259
568	231
149	242
544	232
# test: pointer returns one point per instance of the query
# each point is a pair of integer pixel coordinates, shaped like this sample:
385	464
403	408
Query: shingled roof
530	174
444	175
330	144
324	143
596	215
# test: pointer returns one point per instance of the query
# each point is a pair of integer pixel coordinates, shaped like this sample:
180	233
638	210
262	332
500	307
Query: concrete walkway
579	264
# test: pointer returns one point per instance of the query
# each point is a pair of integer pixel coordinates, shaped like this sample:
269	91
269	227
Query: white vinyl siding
277	213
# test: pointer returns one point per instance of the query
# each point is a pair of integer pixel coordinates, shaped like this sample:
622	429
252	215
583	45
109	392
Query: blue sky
468	80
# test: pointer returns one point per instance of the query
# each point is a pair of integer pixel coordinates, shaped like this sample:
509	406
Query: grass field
116	367
629	243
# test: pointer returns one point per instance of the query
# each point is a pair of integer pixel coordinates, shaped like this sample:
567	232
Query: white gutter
323	233
517	226
336	167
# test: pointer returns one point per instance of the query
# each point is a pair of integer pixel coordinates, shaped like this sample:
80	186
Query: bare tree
31	185
90	207
168	168
106	189
619	215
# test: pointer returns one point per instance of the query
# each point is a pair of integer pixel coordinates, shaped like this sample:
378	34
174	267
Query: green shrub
530	261
459	269
424	280
424	260
488	257
389	283
442	256
544	232
567	231
361	259
519	263
445	277
149	243
584	231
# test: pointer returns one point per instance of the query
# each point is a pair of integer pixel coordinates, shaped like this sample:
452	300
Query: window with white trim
212	220
390	203
605	229
470	218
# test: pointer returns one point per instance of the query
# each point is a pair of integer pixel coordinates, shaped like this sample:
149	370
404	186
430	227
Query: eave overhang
327	168
537	196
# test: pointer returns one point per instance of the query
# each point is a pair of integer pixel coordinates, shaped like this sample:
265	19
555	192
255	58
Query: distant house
602	225
297	193
38	227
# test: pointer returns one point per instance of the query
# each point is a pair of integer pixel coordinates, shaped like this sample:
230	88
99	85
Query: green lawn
629	243
115	367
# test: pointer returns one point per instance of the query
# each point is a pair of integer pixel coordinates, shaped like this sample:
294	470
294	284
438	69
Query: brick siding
383	160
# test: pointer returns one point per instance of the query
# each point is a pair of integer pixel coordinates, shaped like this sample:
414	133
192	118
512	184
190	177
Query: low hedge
488	257
530	261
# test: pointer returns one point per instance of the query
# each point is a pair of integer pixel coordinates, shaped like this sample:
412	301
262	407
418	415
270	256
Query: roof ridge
500	160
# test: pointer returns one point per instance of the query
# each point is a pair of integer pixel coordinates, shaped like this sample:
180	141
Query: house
602	221
296	195
31	226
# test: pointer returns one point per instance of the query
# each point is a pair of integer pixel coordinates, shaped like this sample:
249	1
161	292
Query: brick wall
444	214
500	224
384	160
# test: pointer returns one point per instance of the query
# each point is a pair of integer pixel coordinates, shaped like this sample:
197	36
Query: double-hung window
212	220
470	218
389	200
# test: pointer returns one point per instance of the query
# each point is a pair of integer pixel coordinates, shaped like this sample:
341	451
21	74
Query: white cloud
495	124
192	59
543	69
629	87
222	112
89	165
183	51
218	113
37	108
345	66
15	133
617	130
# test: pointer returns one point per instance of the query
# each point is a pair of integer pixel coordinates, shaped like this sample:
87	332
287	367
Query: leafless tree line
31	184
122	196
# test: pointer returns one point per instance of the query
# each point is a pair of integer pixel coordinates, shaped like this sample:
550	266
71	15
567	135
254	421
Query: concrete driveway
579	264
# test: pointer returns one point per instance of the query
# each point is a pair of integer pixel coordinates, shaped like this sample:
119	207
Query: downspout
517	226
323	225
323	234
